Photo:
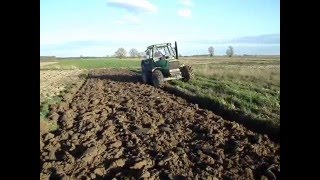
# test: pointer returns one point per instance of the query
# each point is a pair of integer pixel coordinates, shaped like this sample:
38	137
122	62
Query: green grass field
94	63
261	102
249	86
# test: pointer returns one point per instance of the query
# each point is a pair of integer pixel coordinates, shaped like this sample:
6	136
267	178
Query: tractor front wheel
146	76
157	78
187	73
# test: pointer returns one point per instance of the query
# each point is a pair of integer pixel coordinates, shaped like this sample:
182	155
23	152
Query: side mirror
147	53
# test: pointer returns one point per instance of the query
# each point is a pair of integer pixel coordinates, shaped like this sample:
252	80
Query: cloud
262	39
134	6
101	43
184	12
266	39
128	19
186	2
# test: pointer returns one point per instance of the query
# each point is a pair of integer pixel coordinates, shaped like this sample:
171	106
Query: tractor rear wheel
157	78
187	73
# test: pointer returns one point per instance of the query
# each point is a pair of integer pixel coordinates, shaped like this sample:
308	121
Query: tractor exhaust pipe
176	49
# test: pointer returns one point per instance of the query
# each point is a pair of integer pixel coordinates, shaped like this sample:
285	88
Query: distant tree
133	52
121	53
211	51
141	54
230	51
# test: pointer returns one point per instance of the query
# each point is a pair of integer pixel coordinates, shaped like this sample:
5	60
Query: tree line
229	52
121	52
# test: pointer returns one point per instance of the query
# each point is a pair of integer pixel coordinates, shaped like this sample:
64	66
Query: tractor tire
187	73
157	78
146	76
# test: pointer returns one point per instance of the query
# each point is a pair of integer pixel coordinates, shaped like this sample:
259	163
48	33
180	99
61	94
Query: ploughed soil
117	127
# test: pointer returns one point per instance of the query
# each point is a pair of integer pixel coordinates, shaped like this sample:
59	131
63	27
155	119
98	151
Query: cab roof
159	45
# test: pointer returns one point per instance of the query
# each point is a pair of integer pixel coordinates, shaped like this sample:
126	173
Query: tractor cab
160	52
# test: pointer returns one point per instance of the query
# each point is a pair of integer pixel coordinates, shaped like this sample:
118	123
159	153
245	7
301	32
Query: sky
99	27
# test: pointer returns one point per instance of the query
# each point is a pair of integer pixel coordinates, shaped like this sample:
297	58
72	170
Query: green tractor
161	64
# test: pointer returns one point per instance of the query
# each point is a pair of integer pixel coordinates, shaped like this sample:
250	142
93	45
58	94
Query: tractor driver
158	54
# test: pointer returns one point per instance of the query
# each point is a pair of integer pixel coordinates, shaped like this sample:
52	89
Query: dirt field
46	63
117	127
54	81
